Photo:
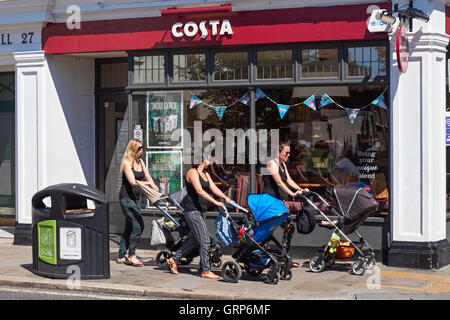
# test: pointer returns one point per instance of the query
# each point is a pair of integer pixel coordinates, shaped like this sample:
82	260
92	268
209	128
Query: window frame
254	66
319	46
364	79
184	51
231	50
297	79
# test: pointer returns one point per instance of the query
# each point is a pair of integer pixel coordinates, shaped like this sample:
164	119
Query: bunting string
310	102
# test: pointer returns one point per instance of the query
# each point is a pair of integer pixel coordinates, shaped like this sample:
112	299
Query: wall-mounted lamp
409	13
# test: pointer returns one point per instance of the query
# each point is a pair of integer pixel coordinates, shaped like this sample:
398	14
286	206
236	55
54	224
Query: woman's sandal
172	265
122	260
210	275
134	262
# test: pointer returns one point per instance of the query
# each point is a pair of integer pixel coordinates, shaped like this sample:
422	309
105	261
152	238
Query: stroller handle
234	204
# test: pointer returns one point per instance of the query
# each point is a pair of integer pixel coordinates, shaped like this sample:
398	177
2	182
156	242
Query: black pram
355	205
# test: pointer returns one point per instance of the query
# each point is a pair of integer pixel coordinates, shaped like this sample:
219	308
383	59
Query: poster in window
164	116
165	167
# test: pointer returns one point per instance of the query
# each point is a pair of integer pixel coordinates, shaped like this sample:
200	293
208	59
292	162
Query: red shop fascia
187	28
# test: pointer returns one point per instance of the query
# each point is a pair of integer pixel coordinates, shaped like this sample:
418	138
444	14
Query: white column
30	109
418	135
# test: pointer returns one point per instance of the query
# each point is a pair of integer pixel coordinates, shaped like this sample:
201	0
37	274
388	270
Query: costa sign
402	49
191	29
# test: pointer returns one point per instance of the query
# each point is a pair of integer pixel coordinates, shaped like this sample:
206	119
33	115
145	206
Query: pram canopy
355	201
269	213
357	204
265	207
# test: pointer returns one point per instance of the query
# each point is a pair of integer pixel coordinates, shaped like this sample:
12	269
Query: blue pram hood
269	212
265	207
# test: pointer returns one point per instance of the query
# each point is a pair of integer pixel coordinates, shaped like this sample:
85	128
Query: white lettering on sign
190	29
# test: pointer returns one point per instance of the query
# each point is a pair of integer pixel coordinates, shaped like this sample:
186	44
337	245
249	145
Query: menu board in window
164	116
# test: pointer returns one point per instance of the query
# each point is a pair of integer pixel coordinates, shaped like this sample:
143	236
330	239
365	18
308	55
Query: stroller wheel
287	275
161	258
216	263
272	279
231	271
359	268
316	264
370	263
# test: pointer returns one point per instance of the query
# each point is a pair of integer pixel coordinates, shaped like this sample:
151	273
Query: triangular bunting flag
311	102
194	101
245	99
380	102
282	109
259	94
352	114
220	111
325	100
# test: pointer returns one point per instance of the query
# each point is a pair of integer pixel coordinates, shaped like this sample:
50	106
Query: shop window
320	63
113	75
149	69
367	61
169	156
189	67
274	64
327	149
231	66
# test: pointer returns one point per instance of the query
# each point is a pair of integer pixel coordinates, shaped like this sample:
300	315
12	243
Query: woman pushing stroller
199	185
280	185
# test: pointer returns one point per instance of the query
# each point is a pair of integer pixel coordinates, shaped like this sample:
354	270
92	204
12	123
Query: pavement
336	283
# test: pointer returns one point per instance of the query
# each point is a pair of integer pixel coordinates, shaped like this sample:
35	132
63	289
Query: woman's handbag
158	237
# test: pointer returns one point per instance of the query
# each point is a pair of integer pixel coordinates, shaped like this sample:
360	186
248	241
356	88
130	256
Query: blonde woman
132	169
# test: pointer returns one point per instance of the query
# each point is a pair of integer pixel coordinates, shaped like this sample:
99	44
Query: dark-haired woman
199	185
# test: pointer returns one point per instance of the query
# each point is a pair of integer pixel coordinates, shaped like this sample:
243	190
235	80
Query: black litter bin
66	234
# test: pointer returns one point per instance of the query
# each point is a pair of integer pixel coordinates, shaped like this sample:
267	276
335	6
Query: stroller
170	207
355	205
253	234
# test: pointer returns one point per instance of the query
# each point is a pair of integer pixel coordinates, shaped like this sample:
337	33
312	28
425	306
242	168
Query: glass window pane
320	63
367	61
147	67
274	64
326	148
231	66
189	67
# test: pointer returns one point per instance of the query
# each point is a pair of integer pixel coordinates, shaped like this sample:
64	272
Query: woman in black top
199	185
133	169
279	183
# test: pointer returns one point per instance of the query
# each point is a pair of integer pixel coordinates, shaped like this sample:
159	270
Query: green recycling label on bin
47	241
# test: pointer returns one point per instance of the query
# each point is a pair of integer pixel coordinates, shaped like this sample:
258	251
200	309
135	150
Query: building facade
90	76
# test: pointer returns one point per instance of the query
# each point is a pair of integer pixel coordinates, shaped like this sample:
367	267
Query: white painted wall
55	124
418	131
69	125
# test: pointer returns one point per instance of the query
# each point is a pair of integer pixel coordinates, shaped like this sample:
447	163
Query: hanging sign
402	48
